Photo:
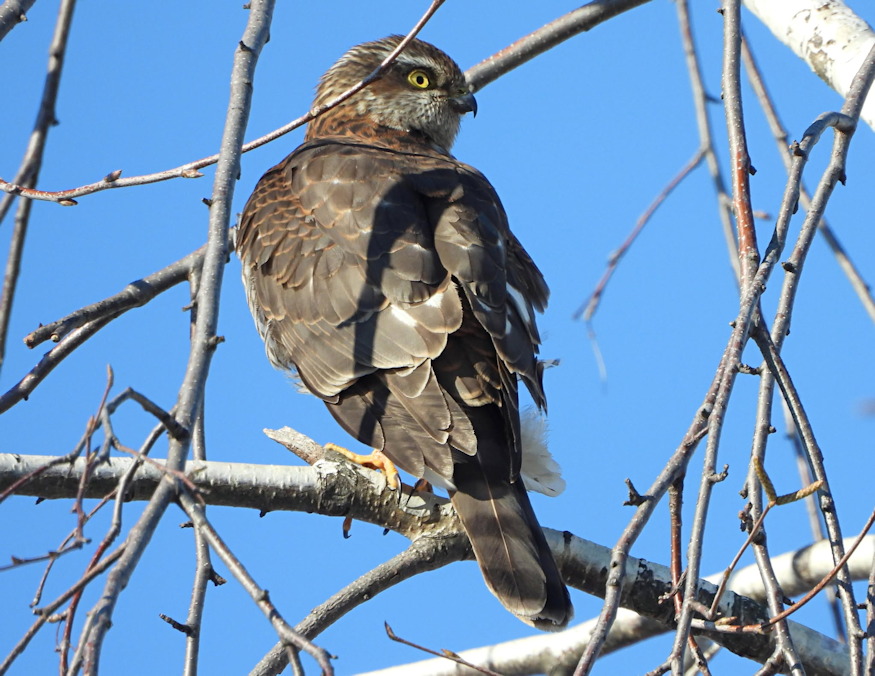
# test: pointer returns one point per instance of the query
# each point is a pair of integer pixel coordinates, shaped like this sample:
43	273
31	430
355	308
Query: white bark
797	572
335	488
826	34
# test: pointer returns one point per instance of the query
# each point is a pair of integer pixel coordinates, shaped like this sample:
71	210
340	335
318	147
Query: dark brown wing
347	289
391	283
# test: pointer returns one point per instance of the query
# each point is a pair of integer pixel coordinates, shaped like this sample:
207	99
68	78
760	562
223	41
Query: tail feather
510	547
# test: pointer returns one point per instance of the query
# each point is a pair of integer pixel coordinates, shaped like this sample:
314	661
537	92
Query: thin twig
174	429
779	132
589	308
203	567
33	157
706	136
870	620
748	251
444	654
840	565
53	555
815	520
203	573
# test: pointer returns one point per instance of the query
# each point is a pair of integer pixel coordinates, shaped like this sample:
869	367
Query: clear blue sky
577	143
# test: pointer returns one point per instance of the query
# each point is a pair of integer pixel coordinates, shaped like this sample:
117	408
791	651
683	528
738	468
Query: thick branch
329	487
797	573
828	36
339	488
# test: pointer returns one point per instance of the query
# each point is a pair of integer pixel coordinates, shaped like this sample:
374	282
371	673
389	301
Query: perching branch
340	488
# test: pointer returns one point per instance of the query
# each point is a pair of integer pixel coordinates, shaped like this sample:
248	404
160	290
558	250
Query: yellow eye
419	79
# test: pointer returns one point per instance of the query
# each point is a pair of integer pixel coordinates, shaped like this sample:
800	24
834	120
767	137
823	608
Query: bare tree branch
545	38
861	288
33	157
828	36
340	489
589	308
206	317
191	169
571	24
135	294
797	572
76	328
424	554
706	135
288	636
12	13
329	487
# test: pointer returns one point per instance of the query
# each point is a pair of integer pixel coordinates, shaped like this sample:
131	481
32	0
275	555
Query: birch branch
338	488
797	572
827	35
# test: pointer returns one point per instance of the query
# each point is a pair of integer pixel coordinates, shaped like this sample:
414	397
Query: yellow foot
376	460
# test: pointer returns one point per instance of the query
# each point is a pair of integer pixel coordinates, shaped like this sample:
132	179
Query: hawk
382	272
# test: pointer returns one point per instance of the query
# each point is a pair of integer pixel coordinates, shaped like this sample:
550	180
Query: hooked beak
464	103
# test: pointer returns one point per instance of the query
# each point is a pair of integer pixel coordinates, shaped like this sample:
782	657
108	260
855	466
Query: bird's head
423	91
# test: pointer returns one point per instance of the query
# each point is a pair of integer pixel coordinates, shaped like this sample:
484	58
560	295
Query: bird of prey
382	272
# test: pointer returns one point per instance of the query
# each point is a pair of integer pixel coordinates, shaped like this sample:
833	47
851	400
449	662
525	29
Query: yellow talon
376	460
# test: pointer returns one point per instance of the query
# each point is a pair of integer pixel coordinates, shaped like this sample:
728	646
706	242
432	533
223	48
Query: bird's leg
376	460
